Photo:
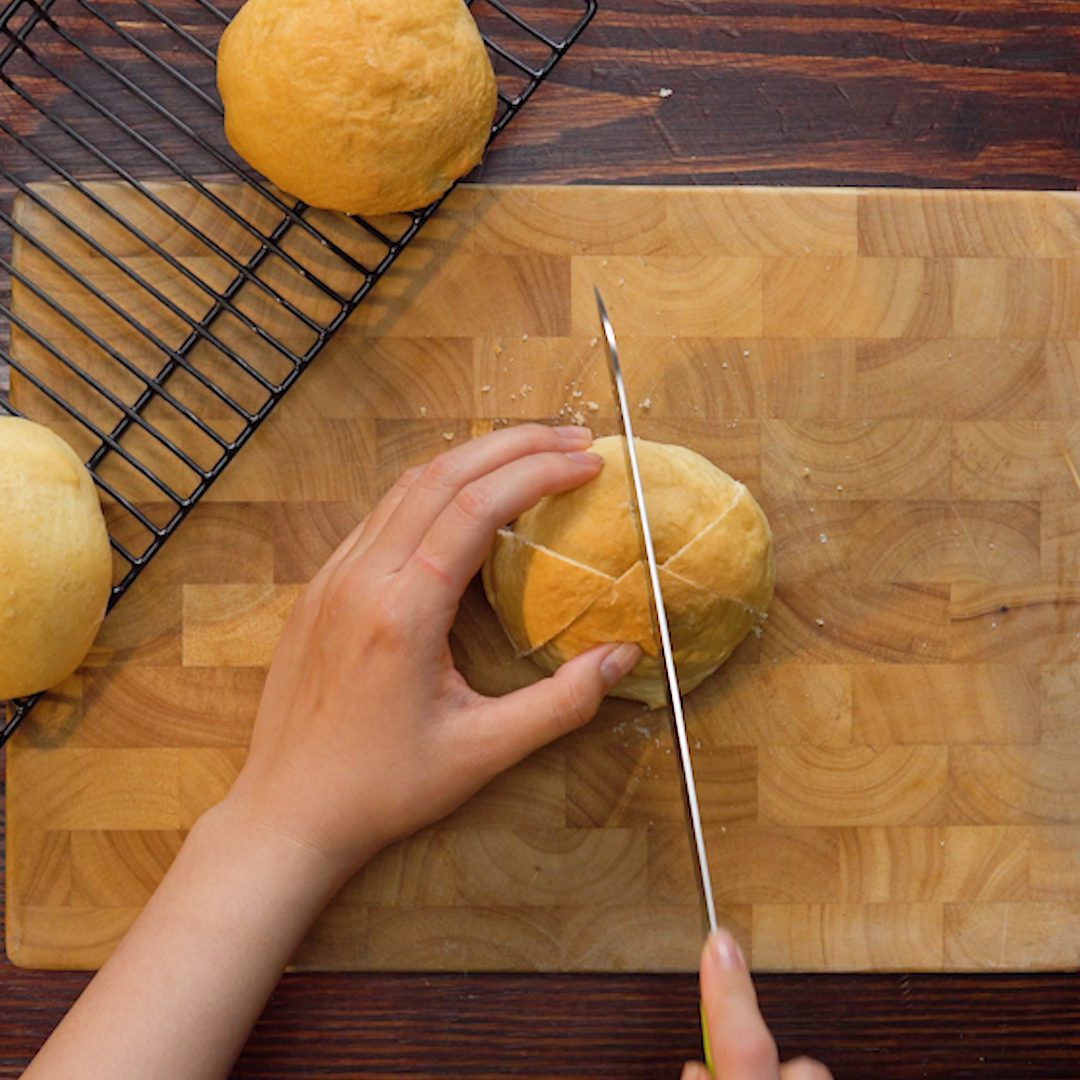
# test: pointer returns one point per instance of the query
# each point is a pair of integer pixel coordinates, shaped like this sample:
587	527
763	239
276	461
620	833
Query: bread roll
55	560
364	106
570	575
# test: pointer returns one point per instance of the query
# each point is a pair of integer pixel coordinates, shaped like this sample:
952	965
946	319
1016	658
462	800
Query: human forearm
185	986
366	732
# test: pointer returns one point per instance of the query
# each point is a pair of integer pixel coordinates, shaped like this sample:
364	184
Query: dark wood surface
979	93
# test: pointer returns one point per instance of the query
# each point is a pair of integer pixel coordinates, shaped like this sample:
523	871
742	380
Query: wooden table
971	93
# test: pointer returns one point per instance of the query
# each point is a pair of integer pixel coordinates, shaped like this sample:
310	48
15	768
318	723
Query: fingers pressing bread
516	724
441	481
457	542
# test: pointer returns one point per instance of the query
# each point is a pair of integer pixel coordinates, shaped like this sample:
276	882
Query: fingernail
619	662
586	457
725	952
575	434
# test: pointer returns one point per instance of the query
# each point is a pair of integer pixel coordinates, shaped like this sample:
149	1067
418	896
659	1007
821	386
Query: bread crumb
665	92
577	418
746	353
993	626
577	393
806	472
423	410
647	403
839	487
526	389
524	337
593	342
820	622
823	537
724	365
448	436
498	350
592	406
486	388
622	281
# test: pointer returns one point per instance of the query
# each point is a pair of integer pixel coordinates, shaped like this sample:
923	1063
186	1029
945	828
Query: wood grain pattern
884	774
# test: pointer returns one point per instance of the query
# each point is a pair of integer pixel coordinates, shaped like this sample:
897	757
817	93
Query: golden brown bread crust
569	574
56	559
364	106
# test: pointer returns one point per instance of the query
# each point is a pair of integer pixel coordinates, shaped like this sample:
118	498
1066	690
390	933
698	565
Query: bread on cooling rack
364	106
55	560
570	574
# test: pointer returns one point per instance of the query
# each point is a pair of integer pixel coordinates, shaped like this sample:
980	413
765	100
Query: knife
640	511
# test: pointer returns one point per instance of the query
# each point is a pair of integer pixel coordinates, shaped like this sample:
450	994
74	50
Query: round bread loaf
570	574
364	106
56	560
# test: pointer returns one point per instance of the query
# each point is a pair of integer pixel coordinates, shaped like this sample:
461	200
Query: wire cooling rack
157	324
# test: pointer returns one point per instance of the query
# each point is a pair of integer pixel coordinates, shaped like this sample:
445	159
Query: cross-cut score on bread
553	589
593	525
696	617
569	575
730	548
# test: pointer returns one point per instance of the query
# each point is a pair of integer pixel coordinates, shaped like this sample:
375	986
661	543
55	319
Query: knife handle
706	1045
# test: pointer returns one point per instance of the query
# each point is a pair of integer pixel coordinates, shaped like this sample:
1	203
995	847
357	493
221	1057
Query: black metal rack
191	348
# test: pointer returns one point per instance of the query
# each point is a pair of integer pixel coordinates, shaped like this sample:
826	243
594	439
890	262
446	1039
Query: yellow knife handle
706	1045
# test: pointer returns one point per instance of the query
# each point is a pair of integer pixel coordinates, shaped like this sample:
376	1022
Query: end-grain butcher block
889	774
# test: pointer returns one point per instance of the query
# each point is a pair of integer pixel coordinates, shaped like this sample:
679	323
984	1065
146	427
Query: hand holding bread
366	731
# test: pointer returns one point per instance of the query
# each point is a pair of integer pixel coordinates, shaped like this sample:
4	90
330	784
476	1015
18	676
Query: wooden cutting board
890	776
